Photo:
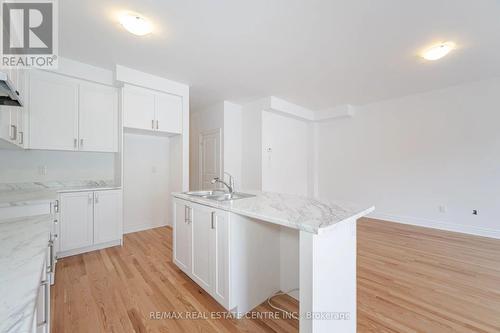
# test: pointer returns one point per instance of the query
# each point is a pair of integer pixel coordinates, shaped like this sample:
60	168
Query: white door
138	108
219	256
98	115
210	158
108	219
182	236
53	107
168	113
76	220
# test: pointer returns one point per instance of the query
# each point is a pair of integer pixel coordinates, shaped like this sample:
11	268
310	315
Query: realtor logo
29	33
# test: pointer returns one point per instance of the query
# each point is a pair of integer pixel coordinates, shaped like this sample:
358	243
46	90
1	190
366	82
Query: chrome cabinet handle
157	124
21	137
56	206
187	214
46	304
50	267
91	198
153	124
212	220
96	198
81	143
75	143
13	132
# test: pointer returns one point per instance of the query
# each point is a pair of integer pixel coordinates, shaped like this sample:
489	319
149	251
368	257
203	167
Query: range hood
8	93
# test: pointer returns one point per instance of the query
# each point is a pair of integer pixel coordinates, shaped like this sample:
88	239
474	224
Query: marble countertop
22	194
298	212
23	250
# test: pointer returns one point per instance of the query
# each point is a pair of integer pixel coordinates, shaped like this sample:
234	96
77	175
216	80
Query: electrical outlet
475	212
443	209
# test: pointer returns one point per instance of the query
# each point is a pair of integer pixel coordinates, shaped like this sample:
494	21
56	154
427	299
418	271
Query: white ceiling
316	53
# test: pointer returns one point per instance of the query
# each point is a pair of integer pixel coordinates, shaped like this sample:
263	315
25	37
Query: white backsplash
22	166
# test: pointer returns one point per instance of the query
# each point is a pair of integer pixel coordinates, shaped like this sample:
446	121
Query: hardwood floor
410	279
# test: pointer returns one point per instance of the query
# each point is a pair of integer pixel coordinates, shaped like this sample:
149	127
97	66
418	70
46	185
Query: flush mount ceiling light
438	51
136	24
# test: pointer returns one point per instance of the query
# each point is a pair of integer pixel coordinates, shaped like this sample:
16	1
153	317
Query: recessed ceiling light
438	51
136	24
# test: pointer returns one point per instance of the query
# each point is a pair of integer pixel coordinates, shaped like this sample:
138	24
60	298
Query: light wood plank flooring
410	279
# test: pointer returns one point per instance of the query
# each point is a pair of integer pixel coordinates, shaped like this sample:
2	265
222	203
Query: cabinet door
219	255
138	108
182	236
202	229
98	118
53	107
108	221
76	220
8	123
168	113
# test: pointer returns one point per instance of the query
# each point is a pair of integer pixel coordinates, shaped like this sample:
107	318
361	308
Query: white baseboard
421	222
142	227
62	254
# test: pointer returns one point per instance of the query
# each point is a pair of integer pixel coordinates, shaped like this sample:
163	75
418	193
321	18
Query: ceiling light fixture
438	51
136	24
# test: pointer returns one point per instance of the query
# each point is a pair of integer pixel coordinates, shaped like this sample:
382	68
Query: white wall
23	166
251	170
286	146
146	185
232	142
409	156
204	120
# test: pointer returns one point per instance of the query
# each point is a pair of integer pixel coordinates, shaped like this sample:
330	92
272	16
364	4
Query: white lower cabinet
219	258
201	247
76	220
89	220
107	216
182	236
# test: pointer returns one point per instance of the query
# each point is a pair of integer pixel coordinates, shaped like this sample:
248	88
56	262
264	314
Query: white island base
233	251
328	279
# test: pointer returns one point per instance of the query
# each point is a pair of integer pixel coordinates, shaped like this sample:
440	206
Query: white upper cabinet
53	107
98	118
71	114
138	108
151	110
168	112
12	118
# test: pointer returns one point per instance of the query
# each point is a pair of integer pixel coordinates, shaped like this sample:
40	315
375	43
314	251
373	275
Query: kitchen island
229	248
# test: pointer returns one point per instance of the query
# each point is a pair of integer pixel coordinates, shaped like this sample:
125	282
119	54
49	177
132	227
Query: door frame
200	154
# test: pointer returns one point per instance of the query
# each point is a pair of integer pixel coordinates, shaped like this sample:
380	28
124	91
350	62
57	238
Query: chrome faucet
230	186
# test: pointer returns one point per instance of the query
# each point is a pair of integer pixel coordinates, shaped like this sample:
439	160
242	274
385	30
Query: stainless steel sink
220	195
204	193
